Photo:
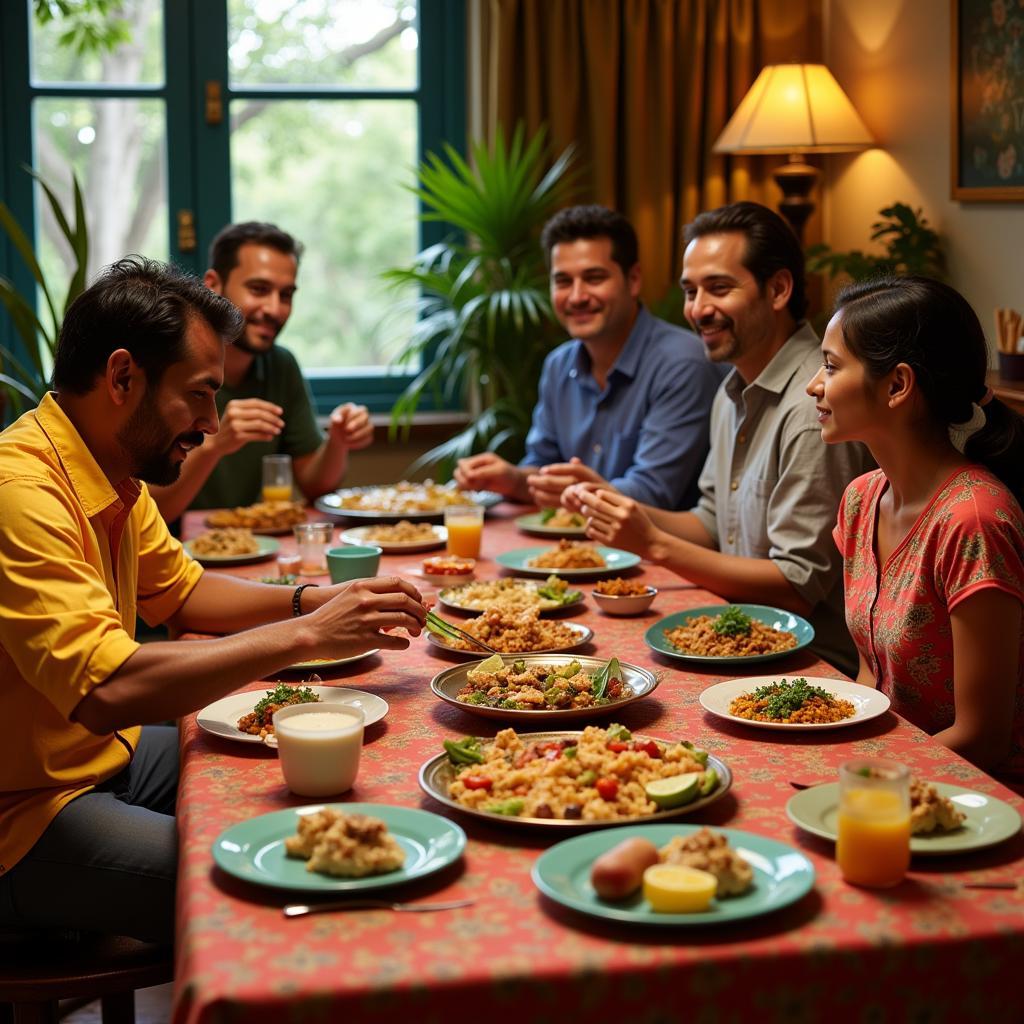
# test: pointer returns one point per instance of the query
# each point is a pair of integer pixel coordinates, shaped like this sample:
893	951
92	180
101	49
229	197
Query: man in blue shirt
627	401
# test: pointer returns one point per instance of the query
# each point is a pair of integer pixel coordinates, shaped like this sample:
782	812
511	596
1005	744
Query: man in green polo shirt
265	406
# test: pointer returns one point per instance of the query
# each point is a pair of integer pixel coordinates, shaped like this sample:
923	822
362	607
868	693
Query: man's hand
350	427
612	518
546	485
245	420
352	619
490	472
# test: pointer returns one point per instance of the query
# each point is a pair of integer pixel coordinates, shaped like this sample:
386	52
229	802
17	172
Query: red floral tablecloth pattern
928	950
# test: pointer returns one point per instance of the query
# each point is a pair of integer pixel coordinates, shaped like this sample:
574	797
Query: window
309	113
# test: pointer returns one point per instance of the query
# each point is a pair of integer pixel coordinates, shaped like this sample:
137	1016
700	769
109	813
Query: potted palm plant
485	322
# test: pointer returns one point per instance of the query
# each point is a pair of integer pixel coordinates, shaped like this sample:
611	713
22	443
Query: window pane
333	173
356	43
117	149
137	59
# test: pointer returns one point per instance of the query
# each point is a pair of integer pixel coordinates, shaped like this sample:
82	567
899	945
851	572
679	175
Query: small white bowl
632	604
447	579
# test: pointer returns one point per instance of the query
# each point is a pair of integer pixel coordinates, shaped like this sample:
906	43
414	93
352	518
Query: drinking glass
312	541
873	848
277	478
465	526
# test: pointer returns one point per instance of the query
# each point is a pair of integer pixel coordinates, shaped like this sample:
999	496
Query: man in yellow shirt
87	837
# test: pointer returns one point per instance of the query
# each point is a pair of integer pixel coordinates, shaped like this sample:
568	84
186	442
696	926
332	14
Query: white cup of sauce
319	747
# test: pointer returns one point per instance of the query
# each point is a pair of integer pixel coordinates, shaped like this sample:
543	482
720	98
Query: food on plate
520	687
710	851
618	587
598	775
512	594
402	532
403	498
791	703
259	721
514	632
568	554
264	515
345	845
930	812
675	889
225	542
448	565
733	634
562	517
287	580
618	872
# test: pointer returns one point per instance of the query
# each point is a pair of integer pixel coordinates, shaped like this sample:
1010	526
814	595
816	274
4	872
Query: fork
301	909
444	626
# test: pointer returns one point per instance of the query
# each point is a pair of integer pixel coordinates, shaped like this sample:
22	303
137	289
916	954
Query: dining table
930	949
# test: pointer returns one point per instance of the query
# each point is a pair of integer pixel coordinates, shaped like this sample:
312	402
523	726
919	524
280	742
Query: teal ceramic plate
267	549
989	821
534	524
781	876
775	617
615	561
253	850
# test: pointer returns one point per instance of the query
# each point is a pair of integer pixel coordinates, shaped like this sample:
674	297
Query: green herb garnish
617	732
733	622
465	751
284	694
783	699
555	589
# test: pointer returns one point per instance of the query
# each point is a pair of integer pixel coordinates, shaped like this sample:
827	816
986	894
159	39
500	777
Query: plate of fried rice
514	632
563	780
569	559
543	687
732	634
794	702
553	595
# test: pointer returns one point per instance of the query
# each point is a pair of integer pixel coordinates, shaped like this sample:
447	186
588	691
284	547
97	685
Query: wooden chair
36	971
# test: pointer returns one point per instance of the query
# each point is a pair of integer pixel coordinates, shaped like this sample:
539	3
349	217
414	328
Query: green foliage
485	321
911	247
91	26
27	381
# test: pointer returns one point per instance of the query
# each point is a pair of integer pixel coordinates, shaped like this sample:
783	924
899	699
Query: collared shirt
646	431
274	376
78	559
771	487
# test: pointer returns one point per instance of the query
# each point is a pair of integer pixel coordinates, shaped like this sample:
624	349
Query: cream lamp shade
793	109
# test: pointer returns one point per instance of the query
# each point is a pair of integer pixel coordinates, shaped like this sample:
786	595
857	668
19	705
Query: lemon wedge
675	889
491	664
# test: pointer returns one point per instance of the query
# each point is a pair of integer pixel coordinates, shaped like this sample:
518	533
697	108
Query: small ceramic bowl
446	577
632	604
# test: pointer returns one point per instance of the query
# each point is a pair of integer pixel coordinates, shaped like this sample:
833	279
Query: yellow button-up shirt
79	558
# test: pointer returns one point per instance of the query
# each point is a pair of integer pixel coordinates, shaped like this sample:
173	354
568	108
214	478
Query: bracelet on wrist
297	598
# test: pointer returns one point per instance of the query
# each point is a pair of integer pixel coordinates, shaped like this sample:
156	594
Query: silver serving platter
447	684
437	773
449	596
330	504
584	635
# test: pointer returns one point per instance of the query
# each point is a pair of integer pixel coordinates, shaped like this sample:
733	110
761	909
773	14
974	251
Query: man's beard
150	444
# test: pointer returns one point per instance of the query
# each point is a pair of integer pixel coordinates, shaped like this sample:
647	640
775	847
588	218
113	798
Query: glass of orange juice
465	526
873	848
277	478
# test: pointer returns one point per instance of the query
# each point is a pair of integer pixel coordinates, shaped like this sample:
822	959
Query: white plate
220	718
315	666
390	547
868	703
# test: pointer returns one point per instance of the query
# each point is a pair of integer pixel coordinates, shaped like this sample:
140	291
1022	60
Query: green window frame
195	41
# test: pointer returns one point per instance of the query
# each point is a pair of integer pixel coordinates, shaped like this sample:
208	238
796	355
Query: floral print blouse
970	536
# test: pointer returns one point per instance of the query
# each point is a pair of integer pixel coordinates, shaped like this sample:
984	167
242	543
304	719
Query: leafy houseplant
485	321
25	380
911	247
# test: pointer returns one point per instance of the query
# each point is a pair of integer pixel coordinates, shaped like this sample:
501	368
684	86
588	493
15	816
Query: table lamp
794	109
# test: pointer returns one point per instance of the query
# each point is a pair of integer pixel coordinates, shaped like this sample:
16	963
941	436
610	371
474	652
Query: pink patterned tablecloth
928	950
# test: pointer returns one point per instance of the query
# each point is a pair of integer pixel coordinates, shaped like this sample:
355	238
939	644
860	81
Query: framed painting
987	99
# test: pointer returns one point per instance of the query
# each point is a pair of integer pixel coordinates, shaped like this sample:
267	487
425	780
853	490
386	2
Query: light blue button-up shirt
647	430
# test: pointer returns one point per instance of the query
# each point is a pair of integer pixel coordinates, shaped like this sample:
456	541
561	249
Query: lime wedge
491	664
674	791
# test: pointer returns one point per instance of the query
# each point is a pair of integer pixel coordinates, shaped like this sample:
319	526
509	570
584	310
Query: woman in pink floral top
933	541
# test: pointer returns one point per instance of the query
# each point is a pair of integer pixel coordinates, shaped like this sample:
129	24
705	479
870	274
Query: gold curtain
642	88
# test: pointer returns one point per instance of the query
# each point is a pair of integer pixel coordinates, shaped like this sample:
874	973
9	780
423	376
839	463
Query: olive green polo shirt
275	377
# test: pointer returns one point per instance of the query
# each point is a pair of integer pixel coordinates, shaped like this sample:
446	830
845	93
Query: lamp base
796	180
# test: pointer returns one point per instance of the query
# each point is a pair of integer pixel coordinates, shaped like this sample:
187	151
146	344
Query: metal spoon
301	909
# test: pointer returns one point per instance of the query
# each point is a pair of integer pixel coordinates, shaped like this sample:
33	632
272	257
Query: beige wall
893	59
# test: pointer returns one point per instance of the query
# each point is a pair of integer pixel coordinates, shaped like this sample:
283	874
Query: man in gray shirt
770	490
